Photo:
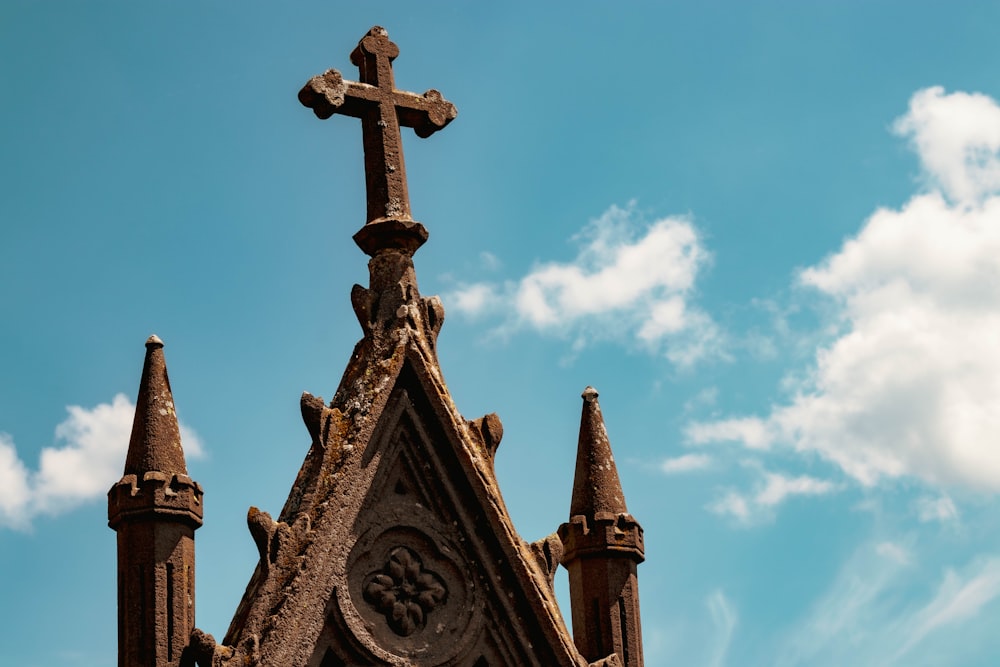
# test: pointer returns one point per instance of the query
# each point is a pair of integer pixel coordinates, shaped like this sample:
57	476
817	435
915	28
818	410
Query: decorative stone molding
411	592
157	495
405	592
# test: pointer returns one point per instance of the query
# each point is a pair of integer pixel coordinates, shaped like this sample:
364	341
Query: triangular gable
420	578
400	550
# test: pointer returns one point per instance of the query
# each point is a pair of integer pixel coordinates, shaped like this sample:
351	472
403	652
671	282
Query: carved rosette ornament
411	596
404	592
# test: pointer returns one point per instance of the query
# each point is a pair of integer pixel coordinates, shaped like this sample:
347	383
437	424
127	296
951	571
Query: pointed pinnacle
596	487
155	444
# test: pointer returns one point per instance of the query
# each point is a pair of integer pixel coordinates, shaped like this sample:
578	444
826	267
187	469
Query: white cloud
83	467
751	431
911	384
772	490
14	492
685	463
629	280
476	299
957	136
778	487
936	509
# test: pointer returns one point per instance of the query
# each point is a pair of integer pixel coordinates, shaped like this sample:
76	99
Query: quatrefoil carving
404	591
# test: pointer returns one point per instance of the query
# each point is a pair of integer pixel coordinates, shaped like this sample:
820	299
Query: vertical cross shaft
382	110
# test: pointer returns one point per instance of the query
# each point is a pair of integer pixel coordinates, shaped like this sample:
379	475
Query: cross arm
426	113
325	93
328	93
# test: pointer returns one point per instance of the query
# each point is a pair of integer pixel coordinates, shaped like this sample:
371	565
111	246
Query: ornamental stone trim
404	592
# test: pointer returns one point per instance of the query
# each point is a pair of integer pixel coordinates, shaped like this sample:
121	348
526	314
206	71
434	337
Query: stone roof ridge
596	486
155	444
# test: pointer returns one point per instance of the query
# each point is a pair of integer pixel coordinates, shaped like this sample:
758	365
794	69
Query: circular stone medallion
413	593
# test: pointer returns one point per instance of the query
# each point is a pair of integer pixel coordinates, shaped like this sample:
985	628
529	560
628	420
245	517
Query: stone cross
382	110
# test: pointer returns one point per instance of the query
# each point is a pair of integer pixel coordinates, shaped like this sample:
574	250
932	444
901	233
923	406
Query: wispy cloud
779	487
685	463
864	618
489	261
894	552
82	467
707	397
732	504
630	280
959	598
753	432
725	619
847	614
936	509
771	490
908	386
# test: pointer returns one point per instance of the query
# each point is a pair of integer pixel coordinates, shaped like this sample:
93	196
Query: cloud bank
629	280
911	384
83	466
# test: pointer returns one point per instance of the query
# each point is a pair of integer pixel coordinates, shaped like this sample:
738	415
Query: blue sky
766	232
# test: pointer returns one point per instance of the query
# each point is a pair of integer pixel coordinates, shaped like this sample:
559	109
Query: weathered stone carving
548	551
405	592
394	547
412	591
382	110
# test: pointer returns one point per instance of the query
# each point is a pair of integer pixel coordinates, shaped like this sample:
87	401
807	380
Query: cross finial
382	110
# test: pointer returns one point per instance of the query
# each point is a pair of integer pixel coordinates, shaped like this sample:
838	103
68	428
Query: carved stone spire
155	509
602	545
156	437
596	487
